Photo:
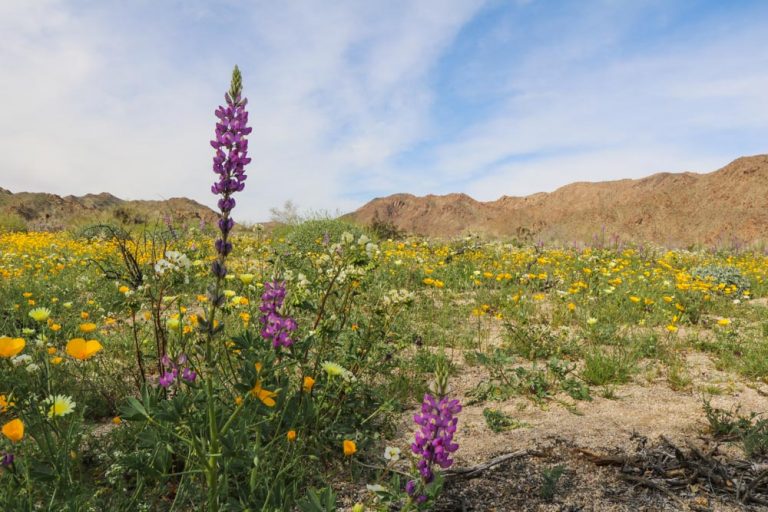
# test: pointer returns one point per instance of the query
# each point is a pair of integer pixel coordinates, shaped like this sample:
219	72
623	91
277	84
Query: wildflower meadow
317	366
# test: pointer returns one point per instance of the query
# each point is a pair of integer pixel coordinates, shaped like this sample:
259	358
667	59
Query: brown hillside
41	211
725	206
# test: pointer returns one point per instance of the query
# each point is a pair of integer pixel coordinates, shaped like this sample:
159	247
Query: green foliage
313	235
722	275
608	367
550	478
498	421
750	431
538	341
323	500
12	223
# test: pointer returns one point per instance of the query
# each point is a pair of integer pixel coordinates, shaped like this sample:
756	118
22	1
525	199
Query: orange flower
10	347
5	404
308	384
82	350
350	448
14	430
88	327
267	397
291	436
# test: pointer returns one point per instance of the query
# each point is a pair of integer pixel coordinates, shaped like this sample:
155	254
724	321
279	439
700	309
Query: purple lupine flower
275	327
229	163
188	375
7	459
168	378
434	440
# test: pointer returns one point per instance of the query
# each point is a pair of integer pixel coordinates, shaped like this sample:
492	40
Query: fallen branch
475	471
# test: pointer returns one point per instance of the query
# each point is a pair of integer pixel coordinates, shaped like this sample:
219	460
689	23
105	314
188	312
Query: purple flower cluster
275	327
229	163
434	440
171	374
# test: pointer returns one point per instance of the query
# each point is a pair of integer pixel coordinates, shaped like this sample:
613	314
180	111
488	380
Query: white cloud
119	97
97	101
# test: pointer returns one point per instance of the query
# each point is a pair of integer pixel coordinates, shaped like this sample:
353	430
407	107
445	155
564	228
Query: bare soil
561	431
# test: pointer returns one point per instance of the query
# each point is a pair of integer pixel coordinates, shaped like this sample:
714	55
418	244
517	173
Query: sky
362	99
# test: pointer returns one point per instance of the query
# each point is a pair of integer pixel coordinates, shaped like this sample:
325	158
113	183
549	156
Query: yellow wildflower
14	430
350	448
9	347
267	397
82	349
88	327
40	314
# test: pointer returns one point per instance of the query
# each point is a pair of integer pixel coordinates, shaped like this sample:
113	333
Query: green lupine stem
212	467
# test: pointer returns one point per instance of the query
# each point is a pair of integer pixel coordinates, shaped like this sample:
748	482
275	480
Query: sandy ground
559	428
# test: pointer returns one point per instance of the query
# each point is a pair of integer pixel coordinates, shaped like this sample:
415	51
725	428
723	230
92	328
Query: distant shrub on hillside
309	235
12	223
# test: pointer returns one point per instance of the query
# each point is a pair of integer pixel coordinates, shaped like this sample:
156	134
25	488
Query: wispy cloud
117	98
355	99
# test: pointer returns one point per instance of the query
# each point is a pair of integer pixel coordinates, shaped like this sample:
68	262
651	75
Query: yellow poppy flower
82	350
9	347
350	448
14	430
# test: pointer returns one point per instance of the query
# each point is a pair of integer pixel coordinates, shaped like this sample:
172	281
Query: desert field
326	338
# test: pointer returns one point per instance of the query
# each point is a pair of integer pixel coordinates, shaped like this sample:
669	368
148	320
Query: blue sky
355	100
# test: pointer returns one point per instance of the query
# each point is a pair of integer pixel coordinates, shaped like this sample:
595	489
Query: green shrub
12	223
720	274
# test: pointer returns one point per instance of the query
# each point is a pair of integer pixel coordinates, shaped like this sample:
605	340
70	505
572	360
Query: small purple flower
275	327
410	487
168	378
7	459
188	375
171	375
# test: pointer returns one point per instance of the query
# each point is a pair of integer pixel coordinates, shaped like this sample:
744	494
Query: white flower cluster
25	359
174	262
395	297
298	279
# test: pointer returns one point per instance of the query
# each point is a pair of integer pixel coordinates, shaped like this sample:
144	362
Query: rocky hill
727	206
41	211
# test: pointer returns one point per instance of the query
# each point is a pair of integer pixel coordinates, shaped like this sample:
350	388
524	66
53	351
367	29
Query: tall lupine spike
229	163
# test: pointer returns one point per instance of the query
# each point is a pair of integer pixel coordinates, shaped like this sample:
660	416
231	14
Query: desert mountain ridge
727	206
50	212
